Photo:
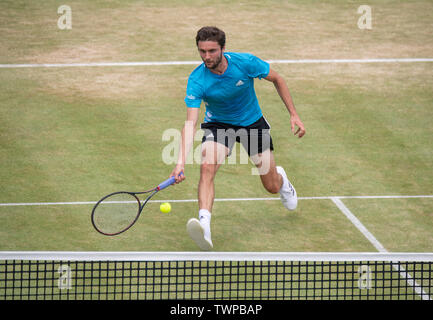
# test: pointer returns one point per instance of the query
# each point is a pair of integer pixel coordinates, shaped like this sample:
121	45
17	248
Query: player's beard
216	63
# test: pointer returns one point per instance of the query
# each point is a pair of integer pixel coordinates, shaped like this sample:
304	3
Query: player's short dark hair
211	34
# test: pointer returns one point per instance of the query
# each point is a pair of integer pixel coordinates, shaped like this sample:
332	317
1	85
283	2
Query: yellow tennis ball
165	207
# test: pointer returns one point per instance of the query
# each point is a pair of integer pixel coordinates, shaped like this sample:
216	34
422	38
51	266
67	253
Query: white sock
205	217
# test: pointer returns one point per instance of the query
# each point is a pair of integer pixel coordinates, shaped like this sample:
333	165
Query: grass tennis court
74	134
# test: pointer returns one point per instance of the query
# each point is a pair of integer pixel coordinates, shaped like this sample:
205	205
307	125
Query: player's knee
207	171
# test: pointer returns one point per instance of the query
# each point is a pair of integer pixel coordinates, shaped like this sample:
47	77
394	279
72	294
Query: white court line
171	63
370	237
220	200
358	224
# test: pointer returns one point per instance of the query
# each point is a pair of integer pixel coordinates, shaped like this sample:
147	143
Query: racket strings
116	213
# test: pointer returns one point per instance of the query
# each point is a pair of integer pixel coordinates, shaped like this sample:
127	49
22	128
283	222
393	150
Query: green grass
75	134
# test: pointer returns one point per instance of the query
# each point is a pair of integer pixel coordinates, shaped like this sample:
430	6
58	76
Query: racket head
116	213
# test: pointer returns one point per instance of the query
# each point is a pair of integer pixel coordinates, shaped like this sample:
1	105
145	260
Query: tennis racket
117	212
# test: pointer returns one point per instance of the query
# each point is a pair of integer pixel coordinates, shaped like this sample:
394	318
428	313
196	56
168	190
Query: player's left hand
295	121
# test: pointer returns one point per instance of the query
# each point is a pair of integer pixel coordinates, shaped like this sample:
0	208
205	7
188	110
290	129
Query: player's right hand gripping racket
117	212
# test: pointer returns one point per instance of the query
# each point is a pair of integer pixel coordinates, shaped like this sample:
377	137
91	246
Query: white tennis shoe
288	194
200	233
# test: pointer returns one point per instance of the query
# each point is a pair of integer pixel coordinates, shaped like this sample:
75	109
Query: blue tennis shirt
230	97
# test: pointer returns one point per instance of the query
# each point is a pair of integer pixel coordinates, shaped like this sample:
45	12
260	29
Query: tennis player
225	83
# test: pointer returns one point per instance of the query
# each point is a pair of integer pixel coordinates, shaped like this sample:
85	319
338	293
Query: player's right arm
186	142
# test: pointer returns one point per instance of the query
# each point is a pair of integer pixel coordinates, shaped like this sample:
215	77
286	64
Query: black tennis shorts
255	138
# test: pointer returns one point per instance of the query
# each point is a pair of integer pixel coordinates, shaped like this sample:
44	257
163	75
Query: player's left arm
283	91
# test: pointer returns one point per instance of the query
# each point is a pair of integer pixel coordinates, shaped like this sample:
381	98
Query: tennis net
215	276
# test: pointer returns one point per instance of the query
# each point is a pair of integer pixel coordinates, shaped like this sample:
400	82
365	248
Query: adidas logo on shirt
239	83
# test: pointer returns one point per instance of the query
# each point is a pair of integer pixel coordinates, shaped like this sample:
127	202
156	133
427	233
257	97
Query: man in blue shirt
224	82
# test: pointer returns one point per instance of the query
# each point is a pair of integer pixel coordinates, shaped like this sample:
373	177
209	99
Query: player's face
211	53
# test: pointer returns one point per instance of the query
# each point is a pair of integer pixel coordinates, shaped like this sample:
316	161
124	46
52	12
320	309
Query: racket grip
167	183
